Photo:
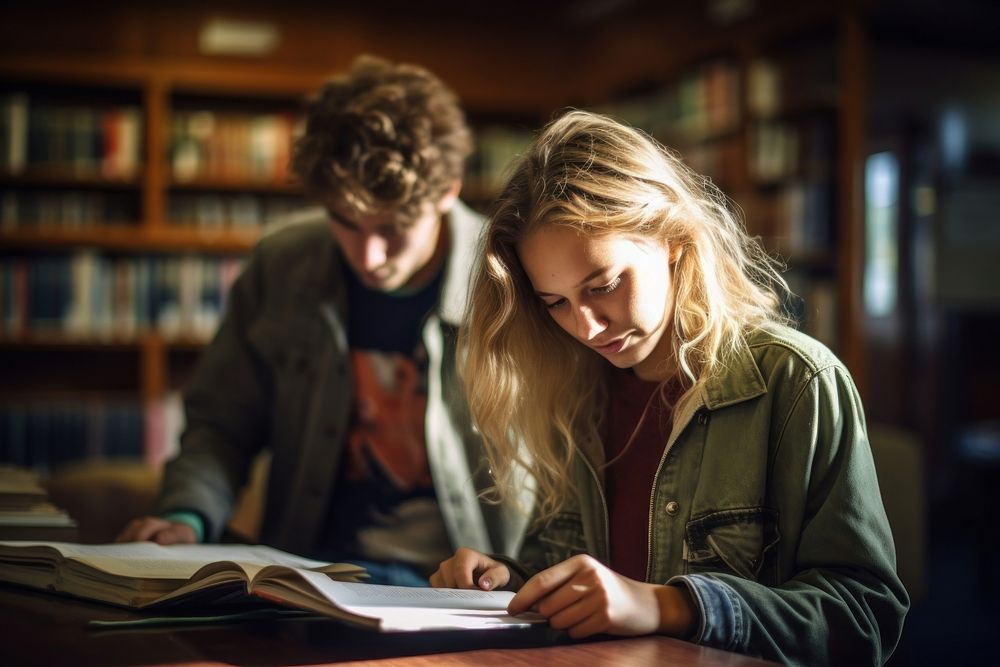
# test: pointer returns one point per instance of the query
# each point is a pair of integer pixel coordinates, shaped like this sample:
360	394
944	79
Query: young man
337	351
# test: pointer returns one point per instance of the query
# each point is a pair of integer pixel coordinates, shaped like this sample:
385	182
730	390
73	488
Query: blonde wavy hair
530	384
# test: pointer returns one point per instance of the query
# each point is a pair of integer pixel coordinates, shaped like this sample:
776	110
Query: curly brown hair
382	137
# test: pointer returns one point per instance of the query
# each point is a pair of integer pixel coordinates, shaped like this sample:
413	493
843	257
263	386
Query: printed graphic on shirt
386	439
385	507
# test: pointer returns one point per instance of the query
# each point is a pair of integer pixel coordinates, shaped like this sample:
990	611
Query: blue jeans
392	574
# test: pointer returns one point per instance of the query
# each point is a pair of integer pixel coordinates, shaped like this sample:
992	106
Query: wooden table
38	628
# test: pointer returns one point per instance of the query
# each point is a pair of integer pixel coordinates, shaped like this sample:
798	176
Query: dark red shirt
629	477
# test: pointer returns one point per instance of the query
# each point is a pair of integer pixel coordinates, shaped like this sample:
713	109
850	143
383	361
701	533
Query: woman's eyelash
604	289
610	287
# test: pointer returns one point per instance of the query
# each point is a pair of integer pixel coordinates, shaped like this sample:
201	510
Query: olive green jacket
766	506
276	376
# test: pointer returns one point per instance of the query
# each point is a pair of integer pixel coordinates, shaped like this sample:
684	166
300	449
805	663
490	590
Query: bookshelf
185	155
770	115
129	194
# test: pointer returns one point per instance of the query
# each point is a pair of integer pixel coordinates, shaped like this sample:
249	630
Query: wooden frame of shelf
151	346
156	86
132	238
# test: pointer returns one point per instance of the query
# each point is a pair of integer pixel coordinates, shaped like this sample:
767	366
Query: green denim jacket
766	506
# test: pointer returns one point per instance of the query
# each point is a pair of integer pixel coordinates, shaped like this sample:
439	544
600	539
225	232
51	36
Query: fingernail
485	584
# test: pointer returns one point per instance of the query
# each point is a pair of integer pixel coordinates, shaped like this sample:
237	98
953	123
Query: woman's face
611	293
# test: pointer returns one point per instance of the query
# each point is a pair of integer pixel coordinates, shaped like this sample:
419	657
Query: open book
145	575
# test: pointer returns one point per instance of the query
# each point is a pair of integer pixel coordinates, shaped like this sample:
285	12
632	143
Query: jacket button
702	417
672	507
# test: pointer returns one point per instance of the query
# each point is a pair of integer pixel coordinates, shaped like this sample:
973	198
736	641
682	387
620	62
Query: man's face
385	251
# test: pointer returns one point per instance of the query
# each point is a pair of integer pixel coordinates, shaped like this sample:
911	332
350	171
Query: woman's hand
471	569
584	597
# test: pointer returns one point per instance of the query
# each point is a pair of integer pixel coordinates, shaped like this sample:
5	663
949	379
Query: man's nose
374	252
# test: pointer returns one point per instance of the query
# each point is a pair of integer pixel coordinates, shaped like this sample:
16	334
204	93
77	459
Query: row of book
89	295
68	209
75	209
806	76
804	218
25	510
496	149
47	435
90	140
703	103
237	211
719	160
230	145
780	150
814	306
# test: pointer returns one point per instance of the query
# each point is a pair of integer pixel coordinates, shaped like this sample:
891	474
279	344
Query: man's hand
584	597
155	529
471	569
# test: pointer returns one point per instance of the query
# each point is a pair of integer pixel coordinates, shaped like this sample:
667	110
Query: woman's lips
613	347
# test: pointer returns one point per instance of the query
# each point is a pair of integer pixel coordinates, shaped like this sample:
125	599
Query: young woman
702	470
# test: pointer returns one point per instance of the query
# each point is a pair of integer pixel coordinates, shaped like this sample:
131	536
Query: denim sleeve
719	624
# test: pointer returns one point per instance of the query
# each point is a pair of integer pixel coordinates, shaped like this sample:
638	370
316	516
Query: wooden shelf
240	185
156	68
66	177
143	238
806	105
61	341
681	139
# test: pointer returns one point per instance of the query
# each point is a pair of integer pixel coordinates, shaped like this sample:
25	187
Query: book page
356	595
394	608
411	619
147	560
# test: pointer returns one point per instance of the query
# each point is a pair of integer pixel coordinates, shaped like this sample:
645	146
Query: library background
143	149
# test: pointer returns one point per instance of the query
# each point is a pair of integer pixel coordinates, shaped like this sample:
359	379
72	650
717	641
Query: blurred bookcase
134	180
763	115
129	195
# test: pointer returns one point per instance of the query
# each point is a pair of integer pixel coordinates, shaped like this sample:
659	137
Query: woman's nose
588	324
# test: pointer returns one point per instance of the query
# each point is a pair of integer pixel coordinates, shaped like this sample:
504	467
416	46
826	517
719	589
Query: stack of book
25	513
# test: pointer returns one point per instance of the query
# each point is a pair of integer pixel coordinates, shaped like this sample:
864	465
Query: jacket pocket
741	541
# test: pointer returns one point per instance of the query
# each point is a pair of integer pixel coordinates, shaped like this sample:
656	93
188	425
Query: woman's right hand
471	569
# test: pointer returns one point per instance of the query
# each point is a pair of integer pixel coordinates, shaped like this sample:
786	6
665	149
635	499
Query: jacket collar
741	380
464	231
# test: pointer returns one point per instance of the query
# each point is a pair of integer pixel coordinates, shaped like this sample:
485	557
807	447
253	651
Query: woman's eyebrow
590	276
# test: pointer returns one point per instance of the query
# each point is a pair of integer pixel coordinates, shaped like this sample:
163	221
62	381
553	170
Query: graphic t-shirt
384	507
